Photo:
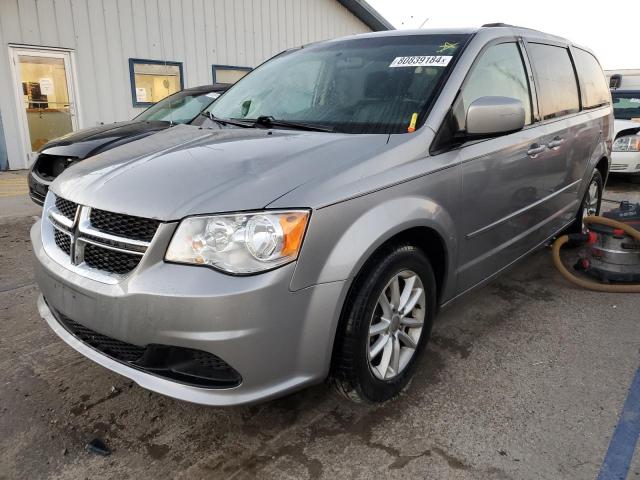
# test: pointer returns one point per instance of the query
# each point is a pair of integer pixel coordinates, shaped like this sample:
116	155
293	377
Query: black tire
351	373
596	177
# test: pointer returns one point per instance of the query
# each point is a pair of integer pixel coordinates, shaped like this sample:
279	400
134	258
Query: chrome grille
110	260
63	241
127	226
97	240
66	208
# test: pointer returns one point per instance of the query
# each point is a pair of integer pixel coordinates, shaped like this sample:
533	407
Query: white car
626	146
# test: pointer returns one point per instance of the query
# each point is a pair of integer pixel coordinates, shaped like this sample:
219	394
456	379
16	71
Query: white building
70	64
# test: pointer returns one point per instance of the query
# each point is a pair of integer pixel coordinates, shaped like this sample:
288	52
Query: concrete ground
524	379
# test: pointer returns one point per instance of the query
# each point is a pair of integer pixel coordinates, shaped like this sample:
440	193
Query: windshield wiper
226	121
269	121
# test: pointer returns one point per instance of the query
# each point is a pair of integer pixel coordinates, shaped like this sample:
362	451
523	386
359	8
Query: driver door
503	178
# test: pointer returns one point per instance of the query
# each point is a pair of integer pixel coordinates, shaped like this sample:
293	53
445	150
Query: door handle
556	142
535	150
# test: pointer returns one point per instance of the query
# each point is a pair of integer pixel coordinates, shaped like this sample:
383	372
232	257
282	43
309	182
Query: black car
58	154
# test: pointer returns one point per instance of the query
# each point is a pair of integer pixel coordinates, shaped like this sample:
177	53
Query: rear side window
499	72
557	86
593	84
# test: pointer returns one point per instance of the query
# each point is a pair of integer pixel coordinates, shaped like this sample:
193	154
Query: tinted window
595	91
557	87
626	106
498	73
360	85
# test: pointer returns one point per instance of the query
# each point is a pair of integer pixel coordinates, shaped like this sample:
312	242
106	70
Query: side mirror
615	80
488	116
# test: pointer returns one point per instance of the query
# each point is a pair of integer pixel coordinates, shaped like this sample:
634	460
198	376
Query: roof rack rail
497	24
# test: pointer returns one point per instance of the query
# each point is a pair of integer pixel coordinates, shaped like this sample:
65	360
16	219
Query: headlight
240	243
629	143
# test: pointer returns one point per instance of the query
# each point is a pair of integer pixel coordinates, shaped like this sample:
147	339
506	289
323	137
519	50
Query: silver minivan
322	210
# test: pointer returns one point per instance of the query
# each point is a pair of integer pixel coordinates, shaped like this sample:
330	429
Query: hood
623	125
89	141
187	170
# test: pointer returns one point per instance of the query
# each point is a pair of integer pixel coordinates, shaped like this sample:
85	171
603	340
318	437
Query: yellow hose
598	287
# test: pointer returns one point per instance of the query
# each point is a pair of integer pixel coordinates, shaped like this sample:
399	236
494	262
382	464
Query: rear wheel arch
603	167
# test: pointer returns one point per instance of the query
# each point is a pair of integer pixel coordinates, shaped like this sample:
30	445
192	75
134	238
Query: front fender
342	237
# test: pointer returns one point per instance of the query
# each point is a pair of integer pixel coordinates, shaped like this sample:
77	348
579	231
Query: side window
557	86
498	73
593	84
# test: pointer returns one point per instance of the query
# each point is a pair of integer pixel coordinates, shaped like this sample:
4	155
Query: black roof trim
367	14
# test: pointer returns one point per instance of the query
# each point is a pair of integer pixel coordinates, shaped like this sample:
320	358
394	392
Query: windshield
181	107
626	106
362	85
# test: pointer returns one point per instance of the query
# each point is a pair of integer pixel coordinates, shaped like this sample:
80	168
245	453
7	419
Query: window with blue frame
153	80
228	74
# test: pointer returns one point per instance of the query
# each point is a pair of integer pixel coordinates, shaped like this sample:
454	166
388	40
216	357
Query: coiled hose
598	287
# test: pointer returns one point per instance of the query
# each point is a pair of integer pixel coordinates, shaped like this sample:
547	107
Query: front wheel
385	326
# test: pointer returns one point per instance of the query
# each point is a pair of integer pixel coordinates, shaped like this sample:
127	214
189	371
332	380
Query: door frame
68	57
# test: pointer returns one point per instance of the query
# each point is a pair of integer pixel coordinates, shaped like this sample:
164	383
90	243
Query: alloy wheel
396	325
592	200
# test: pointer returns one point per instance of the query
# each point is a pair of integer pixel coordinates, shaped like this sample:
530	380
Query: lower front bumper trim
184	365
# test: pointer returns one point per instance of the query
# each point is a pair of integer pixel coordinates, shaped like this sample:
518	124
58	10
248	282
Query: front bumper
38	188
625	162
278	340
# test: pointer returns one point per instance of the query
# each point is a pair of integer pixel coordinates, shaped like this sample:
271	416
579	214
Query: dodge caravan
329	204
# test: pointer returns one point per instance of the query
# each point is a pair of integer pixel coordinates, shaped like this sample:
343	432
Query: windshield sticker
447	47
412	124
424	61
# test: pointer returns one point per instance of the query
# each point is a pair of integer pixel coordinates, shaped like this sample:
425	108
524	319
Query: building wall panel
104	34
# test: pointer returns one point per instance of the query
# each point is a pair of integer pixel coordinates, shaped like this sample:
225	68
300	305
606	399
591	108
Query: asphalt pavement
525	378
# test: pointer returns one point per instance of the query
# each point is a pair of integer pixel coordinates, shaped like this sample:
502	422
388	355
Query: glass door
45	89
